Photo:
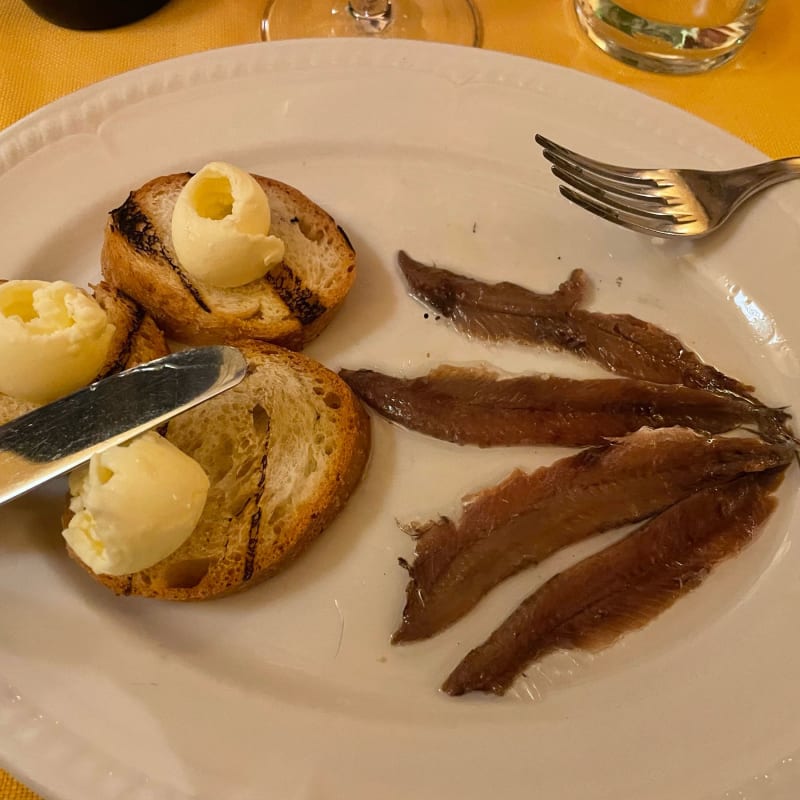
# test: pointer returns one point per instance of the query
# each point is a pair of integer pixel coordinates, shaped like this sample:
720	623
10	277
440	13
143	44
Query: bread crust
137	338
290	306
229	550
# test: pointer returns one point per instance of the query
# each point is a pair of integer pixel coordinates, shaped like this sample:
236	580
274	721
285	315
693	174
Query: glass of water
670	36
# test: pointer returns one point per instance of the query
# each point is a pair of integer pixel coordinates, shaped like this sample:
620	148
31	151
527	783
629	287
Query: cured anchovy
477	406
623	587
529	516
447	292
620	342
630	346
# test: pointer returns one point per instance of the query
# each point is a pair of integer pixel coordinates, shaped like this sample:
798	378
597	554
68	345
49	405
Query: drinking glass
670	36
452	21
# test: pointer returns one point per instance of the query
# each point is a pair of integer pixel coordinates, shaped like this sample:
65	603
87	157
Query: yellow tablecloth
753	97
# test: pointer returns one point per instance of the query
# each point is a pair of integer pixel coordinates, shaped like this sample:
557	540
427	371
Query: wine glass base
450	21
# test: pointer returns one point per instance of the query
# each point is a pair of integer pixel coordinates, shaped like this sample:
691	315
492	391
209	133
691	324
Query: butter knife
59	436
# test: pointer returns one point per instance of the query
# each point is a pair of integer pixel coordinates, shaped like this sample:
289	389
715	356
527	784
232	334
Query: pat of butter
134	504
220	227
54	339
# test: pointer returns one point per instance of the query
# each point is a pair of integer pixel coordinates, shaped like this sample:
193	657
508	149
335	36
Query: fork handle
747	181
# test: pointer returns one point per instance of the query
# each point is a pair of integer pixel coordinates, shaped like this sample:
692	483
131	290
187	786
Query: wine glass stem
375	11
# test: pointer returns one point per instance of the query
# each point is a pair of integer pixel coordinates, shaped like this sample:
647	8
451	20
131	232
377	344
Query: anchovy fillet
529	516
620	342
622	587
477	406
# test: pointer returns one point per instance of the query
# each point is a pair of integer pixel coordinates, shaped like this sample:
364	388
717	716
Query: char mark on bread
304	303
128	345
252	545
345	237
133	224
255	519
136	339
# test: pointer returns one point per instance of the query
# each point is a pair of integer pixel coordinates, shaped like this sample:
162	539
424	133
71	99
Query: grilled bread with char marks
283	450
290	305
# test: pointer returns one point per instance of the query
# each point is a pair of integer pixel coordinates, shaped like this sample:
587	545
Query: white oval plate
291	690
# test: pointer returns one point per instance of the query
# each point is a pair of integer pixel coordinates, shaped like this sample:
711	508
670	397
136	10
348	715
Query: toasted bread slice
290	305
284	450
136	339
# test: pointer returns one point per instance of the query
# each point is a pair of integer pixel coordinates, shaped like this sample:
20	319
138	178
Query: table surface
753	97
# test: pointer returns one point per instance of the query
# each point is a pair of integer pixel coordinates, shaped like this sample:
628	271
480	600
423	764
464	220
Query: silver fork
661	202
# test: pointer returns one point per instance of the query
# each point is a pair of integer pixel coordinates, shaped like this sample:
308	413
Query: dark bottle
92	15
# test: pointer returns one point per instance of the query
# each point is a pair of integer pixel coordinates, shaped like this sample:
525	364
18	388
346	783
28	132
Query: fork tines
633	198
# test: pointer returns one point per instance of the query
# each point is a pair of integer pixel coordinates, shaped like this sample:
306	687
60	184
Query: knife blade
61	435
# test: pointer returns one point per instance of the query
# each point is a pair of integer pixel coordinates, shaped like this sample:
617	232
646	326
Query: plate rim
69	114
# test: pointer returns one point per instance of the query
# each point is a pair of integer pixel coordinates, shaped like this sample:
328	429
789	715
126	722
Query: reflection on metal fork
661	202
